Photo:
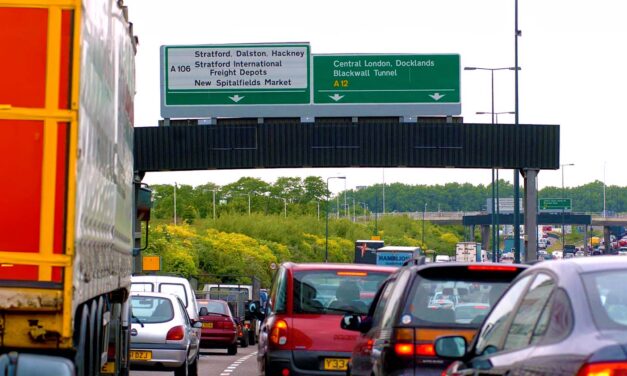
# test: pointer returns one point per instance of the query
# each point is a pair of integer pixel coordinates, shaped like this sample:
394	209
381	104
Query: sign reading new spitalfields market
285	80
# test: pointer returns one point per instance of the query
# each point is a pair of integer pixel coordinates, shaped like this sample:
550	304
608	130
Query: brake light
176	333
425	349
604	369
278	334
352	274
480	307
224	325
247	325
494	268
404	349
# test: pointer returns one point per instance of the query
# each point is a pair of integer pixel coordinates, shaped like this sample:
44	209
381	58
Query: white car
163	337
442	258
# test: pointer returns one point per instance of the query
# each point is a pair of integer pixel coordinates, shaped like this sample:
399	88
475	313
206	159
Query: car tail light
604	369
176	333
247	325
404	349
225	325
278	334
425	349
494	268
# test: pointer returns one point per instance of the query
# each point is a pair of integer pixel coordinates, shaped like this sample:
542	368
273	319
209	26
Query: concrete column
531	215
606	238
485	236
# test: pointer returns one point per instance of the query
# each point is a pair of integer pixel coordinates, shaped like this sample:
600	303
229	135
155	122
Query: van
178	286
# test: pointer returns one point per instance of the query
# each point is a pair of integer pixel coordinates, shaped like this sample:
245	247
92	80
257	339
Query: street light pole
214	204
492	115
326	232
248	203
174	203
564	196
423	224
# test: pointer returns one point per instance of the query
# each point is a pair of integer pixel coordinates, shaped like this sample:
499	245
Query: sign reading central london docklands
427	81
221	77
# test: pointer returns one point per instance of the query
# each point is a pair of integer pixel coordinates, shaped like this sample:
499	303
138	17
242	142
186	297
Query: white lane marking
231	367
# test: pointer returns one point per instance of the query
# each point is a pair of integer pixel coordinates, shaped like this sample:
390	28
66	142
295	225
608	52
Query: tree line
293	196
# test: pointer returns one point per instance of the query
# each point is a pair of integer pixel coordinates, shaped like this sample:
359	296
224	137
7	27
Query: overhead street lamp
493	114
564	196
326	233
496	237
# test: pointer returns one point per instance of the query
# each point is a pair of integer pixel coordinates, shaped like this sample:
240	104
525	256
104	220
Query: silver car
162	334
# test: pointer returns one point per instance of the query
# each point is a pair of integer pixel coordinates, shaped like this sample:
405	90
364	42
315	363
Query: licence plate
335	364
141	355
207	325
109	367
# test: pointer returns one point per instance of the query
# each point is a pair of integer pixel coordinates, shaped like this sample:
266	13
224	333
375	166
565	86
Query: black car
417	304
558	318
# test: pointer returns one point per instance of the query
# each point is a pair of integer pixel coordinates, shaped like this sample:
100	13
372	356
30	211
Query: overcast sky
573	56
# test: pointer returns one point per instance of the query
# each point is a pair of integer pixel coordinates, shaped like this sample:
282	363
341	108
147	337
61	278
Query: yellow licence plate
207	325
141	355
109	368
335	364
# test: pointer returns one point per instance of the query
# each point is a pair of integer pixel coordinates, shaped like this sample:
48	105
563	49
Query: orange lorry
66	180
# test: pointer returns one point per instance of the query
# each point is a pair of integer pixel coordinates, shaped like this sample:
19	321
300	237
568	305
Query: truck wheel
81	333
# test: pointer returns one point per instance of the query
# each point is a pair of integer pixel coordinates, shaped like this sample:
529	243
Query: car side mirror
203	311
197	325
354	323
451	347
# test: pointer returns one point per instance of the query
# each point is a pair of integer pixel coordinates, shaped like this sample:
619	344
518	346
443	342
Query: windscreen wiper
137	320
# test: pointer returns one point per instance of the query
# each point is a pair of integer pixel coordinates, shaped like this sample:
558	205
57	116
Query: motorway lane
215	362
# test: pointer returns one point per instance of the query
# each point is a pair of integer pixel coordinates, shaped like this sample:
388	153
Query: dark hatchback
416	305
558	318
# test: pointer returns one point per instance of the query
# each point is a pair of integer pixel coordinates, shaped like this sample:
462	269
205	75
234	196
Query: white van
178	286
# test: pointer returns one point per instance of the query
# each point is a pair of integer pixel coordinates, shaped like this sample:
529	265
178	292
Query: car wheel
232	349
245	341
193	368
251	337
183	370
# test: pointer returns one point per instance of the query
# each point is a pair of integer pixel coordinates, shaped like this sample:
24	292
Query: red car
218	326
301	334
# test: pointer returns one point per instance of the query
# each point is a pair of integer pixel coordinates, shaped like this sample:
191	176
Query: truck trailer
67	192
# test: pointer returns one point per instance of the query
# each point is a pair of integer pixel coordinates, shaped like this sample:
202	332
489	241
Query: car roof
584	264
154	294
158	278
338	266
205	301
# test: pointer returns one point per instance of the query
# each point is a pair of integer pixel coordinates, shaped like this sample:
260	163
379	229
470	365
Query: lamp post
604	212
493	114
496	237
564	196
284	206
326	233
423	224
214	204
174	203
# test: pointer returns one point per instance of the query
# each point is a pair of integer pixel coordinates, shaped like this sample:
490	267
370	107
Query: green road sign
555	204
351	79
251	74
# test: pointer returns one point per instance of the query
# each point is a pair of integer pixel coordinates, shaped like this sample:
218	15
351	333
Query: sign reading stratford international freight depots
427	79
285	80
235	75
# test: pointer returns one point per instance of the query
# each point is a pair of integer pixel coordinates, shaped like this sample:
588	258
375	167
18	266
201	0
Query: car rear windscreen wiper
133	317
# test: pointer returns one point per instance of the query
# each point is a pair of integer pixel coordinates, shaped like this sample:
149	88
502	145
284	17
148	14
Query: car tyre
232	349
244	342
183	370
193	368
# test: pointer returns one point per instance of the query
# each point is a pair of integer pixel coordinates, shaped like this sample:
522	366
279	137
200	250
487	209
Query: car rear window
151	309
141	286
175	289
215	307
455	296
335	292
608	298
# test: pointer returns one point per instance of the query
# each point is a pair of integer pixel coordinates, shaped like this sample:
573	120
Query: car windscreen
151	309
608	298
215	307
335	292
459	296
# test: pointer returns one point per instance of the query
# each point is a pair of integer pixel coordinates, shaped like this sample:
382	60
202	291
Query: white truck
470	252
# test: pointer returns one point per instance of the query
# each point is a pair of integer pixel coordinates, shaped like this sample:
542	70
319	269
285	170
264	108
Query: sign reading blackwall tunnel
285	80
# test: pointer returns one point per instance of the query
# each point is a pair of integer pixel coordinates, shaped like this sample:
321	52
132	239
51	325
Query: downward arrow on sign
336	97
437	96
236	98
